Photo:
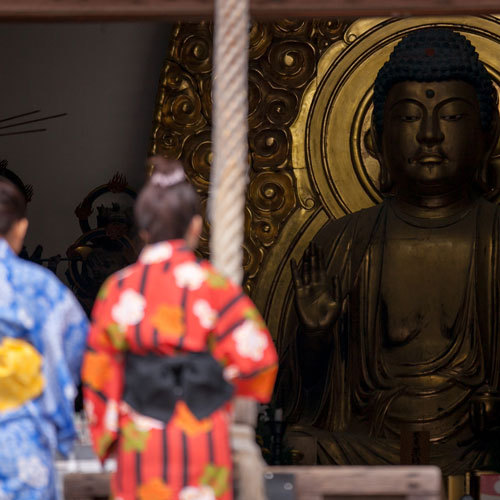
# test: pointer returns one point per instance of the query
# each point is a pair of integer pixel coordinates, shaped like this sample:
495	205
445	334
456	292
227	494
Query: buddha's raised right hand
317	297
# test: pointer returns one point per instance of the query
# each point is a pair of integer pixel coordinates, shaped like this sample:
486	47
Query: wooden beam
116	10
359	8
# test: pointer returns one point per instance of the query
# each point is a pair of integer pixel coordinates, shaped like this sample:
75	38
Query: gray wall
105	77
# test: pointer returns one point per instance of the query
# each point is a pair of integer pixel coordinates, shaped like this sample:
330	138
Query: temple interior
410	371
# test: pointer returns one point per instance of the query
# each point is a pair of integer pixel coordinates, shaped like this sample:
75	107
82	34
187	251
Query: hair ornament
168	180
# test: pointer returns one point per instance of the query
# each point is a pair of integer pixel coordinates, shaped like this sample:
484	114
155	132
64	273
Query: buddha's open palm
317	297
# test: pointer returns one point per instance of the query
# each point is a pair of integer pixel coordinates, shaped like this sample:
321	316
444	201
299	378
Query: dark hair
434	55
167	203
12	206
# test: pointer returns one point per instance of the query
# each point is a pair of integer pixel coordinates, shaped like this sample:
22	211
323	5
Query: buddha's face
432	141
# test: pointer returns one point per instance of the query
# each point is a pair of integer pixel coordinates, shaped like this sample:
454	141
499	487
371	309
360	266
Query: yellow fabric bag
20	373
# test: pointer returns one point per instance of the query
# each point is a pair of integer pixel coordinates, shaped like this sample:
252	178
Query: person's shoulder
206	265
122	275
34	281
216	280
210	270
30	272
126	272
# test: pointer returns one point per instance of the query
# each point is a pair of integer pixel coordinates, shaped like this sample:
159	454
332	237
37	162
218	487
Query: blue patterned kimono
36	308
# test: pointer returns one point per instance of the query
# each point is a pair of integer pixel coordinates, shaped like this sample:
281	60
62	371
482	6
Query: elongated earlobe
487	176
373	146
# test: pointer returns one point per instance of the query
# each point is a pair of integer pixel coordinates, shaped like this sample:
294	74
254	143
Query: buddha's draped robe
355	408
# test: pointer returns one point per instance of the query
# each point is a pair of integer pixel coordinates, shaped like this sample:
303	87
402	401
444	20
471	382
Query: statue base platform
309	483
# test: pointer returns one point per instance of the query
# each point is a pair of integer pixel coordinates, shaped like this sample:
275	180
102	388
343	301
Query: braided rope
227	204
229	137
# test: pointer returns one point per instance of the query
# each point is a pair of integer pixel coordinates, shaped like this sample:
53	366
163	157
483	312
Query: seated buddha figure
398	305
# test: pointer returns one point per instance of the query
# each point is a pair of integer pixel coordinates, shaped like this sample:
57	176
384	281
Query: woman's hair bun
166	173
167	203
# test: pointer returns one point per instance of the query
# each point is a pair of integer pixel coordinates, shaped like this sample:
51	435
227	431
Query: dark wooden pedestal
86	486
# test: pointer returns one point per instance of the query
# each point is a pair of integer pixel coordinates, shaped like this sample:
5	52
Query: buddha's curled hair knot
434	55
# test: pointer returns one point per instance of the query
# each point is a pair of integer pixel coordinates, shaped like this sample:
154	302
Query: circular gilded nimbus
332	133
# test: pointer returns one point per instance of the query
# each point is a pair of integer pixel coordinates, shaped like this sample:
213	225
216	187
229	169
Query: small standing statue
398	305
171	342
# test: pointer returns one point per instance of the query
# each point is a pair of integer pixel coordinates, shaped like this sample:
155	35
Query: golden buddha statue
398	305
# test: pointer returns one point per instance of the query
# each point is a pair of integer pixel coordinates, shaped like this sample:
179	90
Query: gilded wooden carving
284	57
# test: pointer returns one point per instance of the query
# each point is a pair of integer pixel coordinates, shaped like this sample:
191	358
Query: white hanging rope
227	205
229	136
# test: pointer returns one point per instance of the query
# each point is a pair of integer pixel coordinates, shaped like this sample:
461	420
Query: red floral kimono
154	394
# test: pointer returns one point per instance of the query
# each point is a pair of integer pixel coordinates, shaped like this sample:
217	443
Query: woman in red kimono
171	342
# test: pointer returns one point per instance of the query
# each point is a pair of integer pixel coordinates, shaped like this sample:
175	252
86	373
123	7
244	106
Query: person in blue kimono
42	338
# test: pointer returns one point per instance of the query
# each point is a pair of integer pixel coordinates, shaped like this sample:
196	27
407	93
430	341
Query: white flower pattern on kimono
231	372
156	253
197	493
142	422
146	423
205	314
189	275
250	341
111	416
33	471
129	310
125	272
25	319
69	392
